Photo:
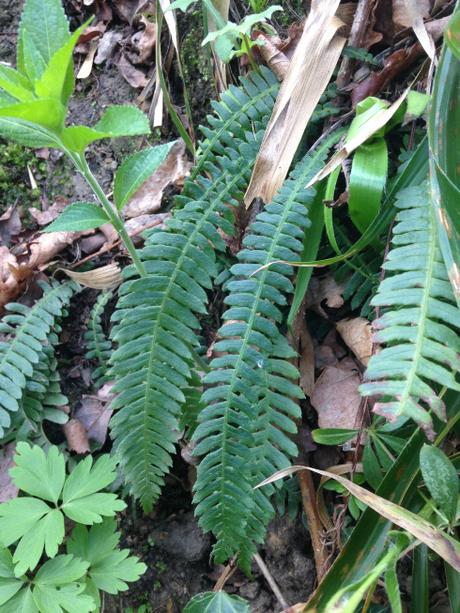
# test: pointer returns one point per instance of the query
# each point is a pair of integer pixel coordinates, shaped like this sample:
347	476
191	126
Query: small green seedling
81	562
34	102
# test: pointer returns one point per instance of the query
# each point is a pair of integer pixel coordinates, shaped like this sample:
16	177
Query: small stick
271	582
225	576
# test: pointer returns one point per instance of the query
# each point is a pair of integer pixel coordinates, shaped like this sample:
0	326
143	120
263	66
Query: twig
271	582
225	576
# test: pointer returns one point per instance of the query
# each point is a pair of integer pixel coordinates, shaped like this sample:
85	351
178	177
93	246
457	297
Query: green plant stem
115	219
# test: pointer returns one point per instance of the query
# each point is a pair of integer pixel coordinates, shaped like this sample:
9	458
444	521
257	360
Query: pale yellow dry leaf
309	73
47	245
368	128
105	277
77	437
87	66
410	14
357	335
336	398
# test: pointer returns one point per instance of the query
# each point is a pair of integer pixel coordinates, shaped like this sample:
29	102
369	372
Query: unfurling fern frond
244	430
156	324
419	328
28	329
99	347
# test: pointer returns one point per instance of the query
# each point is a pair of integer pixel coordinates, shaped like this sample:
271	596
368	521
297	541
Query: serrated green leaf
70	598
90	509
86	479
441	479
216	602
9	584
113	573
78	216
94	544
121	120
18	516
62	569
26	133
135	170
22	602
45	25
46	113
15	84
37	473
54	79
332	436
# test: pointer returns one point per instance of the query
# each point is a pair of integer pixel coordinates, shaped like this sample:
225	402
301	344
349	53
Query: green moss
14	178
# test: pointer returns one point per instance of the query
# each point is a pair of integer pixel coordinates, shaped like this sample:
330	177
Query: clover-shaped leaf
110	568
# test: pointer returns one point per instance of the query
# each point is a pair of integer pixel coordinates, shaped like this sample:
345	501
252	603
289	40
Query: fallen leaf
77	438
138	224
8	490
330	352
410	14
135	77
87	66
50	214
94	415
104	277
128	9
269	49
10	225
142	43
107	46
336	398
44	247
90	33
357	335
309	73
306	363
322	292
171	172
9	287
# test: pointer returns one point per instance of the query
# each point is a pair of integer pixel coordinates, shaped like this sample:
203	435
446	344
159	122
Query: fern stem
115	219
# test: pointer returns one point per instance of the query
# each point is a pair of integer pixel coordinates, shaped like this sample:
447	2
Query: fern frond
244	430
419	328
156	322
28	329
98	346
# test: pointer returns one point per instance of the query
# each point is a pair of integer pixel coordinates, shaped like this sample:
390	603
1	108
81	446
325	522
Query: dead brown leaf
269	49
94	415
142	42
324	292
10	225
336	398
77	438
87	66
306	362
107	46
309	73
128	9
410	14
172	172
104	277
8	490
44	247
357	335
135	77
50	214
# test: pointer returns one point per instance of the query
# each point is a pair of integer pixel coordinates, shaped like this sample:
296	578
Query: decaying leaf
87	66
357	334
9	283
10	225
8	490
77	438
135	77
105	277
410	14
336	398
43	218
311	68
142	42
107	46
171	172
94	414
270	50
324	292
45	246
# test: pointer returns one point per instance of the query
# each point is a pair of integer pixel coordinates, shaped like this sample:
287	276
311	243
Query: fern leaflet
419	327
99	348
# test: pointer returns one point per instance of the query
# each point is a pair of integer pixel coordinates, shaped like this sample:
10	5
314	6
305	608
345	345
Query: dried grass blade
309	73
105	277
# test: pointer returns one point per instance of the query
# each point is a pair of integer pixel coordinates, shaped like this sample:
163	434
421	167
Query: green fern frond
156	318
239	110
243	434
98	346
419	327
29	329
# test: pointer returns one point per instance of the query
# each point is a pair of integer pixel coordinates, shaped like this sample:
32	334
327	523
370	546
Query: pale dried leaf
8	490
143	42
357	335
43	248
336	398
94	415
87	66
105	277
77	438
171	172
136	78
307	362
276	60
368	128
309	73
10	225
325	291
43	218
138	224
410	14
107	46
8	284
